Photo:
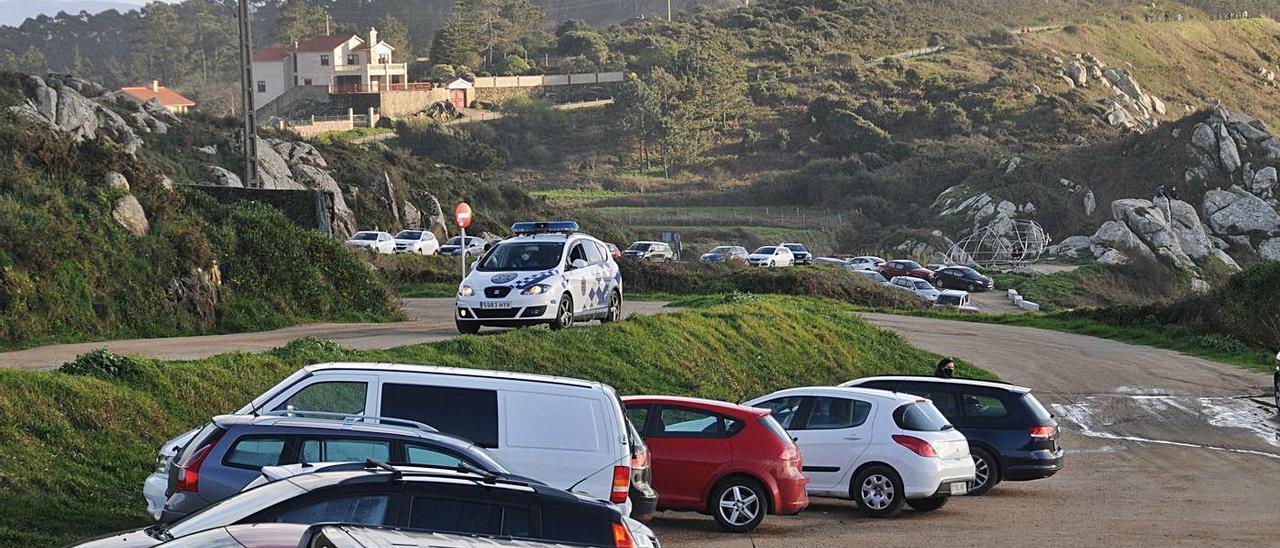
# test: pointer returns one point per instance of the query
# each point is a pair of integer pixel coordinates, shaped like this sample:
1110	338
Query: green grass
572	196
74	448
428	290
352	134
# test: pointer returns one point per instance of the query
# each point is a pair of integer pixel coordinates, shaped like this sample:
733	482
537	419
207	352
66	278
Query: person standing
945	369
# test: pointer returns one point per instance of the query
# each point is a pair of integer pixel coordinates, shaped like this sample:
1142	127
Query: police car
547	273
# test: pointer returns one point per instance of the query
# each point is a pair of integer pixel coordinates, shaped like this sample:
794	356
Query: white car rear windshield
365	236
409	235
920	416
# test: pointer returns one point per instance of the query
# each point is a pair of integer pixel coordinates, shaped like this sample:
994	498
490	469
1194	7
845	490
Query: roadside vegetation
80	440
696	278
351	134
69	271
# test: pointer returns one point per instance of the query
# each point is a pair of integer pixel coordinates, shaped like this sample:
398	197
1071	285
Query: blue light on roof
544	227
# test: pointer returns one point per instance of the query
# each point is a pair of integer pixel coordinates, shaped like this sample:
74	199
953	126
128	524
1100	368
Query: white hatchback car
882	449
921	288
416	241
547	274
373	240
771	255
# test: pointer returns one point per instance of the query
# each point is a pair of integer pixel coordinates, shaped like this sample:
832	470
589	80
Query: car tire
771	265
564	314
738	504
928	505
615	309
468	328
986	471
878	491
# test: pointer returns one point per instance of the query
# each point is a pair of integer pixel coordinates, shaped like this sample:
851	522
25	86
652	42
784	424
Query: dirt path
429	320
1163	449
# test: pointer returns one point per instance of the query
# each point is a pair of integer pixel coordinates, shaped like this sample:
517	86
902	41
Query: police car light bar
544	227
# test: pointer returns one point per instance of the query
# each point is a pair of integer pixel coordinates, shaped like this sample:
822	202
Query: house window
384	59
324	60
306	81
262	86
353	59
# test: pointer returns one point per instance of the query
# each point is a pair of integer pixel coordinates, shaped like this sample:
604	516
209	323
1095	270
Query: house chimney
373	37
155	85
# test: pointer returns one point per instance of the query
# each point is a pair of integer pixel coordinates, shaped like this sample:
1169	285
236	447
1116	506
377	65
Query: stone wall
396	104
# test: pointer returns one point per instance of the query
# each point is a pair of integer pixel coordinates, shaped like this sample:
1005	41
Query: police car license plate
495	304
959	488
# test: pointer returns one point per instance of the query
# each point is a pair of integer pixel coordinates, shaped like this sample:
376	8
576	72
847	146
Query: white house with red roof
172	100
342	63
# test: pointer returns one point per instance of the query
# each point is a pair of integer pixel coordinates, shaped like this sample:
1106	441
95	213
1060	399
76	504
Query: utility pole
668	11
250	132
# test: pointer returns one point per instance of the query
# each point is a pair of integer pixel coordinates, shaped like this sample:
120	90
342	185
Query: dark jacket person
945	369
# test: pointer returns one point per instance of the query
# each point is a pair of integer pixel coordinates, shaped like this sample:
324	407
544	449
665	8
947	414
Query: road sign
462	215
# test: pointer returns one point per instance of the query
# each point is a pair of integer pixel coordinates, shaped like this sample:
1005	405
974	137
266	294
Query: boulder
129	214
1116	235
435	220
1113	257
344	221
1187	228
1263	181
1237	212
1270	249
1149	223
1228	154
1271	149
273	170
76	115
1226	259
46	101
412	216
1075	247
116	180
1197	174
1077	73
222	177
1204	138
296	152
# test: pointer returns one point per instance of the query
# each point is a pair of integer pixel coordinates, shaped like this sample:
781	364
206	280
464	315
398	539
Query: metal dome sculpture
1006	243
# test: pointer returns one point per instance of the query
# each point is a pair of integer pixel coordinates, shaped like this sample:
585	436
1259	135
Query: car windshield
365	236
638	246
920	416
923	285
722	250
872	274
522	256
949	299
766	251
795	247
409	235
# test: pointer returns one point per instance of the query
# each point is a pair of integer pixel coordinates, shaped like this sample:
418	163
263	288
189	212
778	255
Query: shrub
815	281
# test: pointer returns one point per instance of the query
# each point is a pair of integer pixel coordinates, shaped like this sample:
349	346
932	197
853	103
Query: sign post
462	216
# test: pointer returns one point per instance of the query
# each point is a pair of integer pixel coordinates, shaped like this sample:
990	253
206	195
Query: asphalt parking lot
430	320
1163	449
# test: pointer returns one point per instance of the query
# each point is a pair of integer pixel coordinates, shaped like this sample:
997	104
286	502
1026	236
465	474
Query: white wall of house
269	80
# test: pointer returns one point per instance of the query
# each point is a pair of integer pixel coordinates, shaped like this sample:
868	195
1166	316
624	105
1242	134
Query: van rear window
465	412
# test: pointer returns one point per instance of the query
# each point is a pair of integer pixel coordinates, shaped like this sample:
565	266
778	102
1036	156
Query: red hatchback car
733	462
904	267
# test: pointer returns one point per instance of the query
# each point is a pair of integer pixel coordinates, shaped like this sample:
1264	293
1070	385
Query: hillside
121	409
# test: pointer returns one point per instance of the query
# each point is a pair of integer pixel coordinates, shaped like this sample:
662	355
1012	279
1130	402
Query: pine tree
299	21
394	33
162	43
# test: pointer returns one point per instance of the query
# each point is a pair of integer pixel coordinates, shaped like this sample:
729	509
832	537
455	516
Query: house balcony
387	69
347	69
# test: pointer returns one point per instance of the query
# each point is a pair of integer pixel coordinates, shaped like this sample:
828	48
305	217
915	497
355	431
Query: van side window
342	450
466	412
837	413
329	397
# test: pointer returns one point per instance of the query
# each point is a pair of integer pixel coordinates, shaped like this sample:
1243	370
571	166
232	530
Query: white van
564	432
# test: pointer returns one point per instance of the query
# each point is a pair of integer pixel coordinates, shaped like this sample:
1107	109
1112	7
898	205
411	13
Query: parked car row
417	241
445	451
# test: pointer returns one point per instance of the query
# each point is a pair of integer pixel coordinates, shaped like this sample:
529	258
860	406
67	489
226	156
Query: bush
686	278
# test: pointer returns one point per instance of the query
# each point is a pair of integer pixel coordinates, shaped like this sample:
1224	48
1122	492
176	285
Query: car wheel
878	491
771	265
928	505
615	309
986	471
738	505
468	328
564	315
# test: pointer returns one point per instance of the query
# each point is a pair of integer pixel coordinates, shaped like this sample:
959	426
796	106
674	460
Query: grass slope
79	444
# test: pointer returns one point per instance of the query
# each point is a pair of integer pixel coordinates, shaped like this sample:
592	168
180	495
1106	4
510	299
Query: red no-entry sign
462	215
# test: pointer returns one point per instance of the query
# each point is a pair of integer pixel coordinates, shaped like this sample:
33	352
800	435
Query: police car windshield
522	256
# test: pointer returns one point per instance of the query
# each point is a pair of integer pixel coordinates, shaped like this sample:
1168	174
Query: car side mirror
578	263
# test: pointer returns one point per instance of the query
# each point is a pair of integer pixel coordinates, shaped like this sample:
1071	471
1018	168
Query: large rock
298	152
1150	224
412	216
1263	181
1228	154
116	180
76	115
1077	73
222	177
129	214
436	222
1116	235
1204	138
1075	247
1237	212
344	221
273	171
1126	84
1187	228
1270	249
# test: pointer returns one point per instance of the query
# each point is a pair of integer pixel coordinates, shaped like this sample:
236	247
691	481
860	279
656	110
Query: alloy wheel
739	505
877	492
981	472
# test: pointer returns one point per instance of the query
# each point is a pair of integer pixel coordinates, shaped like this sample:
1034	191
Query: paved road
429	320
1163	449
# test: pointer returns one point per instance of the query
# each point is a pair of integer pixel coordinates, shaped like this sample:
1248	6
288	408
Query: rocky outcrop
344	221
1168	229
1237	212
116	180
222	177
84	110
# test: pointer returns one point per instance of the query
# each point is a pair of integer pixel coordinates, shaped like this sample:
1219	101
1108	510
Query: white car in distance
865	262
770	256
416	241
917	286
373	240
882	449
